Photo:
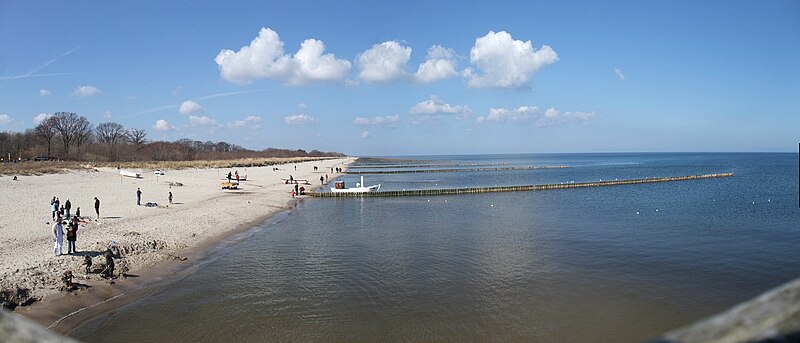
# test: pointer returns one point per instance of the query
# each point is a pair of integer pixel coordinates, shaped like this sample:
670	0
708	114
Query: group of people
60	210
235	175
66	224
337	170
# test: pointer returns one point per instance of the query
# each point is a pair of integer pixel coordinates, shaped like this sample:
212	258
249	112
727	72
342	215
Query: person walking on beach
53	207
78	213
109	270
229	176
67	207
97	207
138	197
170	198
321	180
72	235
58	238
237	176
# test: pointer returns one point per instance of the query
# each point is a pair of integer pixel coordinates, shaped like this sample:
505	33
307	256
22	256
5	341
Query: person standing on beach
53	207
170	198
72	235
229	176
321	180
97	207
138	197
296	188
58	238
78	213
67	207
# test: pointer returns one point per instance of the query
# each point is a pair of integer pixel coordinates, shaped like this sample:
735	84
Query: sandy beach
201	213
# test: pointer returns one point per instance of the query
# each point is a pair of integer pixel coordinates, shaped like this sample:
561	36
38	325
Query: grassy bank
54	167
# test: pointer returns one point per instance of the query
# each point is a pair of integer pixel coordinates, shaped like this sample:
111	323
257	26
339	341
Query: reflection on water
619	264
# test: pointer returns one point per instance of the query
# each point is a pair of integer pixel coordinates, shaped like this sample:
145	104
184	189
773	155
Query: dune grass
55	167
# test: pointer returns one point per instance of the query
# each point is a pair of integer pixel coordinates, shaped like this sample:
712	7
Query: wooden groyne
476	190
422	192
381	166
451	170
628	182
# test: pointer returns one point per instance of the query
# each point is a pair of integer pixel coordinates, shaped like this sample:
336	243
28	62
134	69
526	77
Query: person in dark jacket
67	207
72	235
109	270
97	207
138	197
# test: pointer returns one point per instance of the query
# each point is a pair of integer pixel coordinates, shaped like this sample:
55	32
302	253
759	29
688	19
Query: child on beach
109	270
87	264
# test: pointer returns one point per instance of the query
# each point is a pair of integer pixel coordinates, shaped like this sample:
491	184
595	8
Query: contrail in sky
33	72
204	97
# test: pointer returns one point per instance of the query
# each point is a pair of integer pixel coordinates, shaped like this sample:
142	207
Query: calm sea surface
607	264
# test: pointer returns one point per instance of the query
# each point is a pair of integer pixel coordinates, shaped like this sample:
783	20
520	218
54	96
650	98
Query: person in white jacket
58	238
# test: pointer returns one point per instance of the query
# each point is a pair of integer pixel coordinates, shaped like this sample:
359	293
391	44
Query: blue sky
375	78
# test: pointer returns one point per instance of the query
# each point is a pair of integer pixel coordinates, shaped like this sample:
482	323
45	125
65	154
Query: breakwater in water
451	170
475	190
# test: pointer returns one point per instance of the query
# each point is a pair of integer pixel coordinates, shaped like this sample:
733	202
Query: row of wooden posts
475	190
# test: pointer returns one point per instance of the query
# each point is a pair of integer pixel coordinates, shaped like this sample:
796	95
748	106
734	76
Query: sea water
604	264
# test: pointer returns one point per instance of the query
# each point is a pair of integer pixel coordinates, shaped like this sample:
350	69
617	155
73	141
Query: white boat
130	174
287	181
338	187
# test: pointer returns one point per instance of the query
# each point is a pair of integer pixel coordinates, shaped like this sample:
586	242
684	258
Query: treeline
71	137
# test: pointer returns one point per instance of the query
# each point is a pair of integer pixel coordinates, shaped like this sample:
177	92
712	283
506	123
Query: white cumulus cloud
264	57
107	114
44	92
41	117
436	107
84	91
249	121
532	114
189	106
365	134
201	121
521	114
378	120
163	125
619	74
384	62
299	119
503	62
5	119
439	64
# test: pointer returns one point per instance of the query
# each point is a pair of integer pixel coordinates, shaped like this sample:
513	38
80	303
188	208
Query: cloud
387	120
132	98
41	117
523	114
439	64
163	125
503	62
299	119
107	114
532	114
365	134
201	121
265	58
84	91
189	106
619	74
251	121
301	105
384	62
434	107
5	119
44	92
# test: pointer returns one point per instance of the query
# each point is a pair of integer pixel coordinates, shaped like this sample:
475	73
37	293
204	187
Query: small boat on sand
287	181
339	187
130	174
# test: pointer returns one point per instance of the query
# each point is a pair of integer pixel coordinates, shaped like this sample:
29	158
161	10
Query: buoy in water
637	212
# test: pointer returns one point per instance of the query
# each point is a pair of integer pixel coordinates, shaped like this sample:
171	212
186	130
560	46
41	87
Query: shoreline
178	245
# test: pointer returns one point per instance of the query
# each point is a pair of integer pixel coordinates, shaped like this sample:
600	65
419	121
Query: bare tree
83	133
65	124
45	130
110	132
137	136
